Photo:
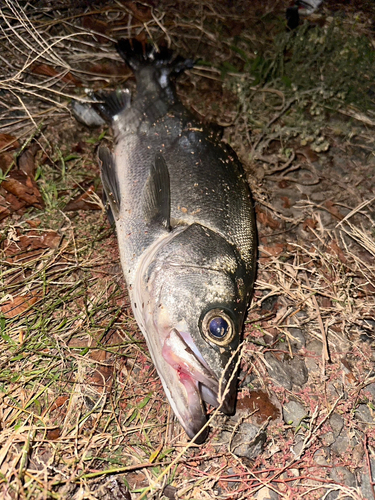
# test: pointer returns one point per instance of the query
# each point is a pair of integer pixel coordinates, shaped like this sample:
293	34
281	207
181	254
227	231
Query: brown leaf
4	208
6	160
96	26
333	210
82	202
23	187
60	401
271	251
334	249
286	201
312	223
45	70
8	142
265	218
53	434
19	305
26	162
141	12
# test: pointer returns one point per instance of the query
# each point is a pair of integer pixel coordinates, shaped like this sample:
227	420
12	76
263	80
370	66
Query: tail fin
137	55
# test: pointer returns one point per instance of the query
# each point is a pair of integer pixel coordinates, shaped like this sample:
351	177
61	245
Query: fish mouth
200	384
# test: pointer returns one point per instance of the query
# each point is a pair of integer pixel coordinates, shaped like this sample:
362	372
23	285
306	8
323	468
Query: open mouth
199	382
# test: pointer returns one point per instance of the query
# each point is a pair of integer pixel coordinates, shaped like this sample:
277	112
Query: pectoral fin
156	195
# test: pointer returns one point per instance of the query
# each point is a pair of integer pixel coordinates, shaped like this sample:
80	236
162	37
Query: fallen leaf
271	251
266	219
26	162
333	210
312	223
4	208
286	201
6	160
60	401
83	202
53	434
96	26
8	142
19	305
334	249
23	187
45	70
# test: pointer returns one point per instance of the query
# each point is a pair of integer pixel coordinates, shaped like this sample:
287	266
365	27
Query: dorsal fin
156	194
109	180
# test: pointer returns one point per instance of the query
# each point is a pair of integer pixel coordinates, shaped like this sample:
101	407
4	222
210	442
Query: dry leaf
8	142
53	434
333	210
83	202
19	305
26	162
45	70
266	219
24	188
312	223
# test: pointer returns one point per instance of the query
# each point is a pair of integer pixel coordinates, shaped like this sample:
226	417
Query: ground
82	411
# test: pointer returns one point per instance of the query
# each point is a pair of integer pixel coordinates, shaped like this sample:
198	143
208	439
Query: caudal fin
137	55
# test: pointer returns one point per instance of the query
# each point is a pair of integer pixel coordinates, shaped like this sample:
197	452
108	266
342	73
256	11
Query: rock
314	356
366	488
337	424
364	415
248	441
266	493
294	413
343	442
298	371
298	340
287	373
344	476
278	371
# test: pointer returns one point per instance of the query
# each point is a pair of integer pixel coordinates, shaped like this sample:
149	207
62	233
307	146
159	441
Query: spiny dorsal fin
156	194
109	180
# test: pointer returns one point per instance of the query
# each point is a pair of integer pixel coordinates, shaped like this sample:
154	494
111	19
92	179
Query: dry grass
82	412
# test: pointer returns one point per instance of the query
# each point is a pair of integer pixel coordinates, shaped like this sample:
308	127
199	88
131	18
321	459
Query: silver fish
186	233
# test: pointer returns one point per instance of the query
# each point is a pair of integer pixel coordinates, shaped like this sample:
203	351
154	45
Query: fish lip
200	384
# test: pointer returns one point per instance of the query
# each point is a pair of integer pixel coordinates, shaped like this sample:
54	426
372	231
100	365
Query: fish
186	234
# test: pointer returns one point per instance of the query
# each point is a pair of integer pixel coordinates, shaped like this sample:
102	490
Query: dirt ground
82	412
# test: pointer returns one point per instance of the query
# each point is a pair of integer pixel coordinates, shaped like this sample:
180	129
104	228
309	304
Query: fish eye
217	327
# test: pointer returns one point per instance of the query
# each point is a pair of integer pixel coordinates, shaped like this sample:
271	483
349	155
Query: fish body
186	234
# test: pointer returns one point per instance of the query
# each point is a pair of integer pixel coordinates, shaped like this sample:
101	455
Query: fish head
194	292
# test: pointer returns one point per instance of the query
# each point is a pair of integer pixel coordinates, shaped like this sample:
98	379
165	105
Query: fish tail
138	55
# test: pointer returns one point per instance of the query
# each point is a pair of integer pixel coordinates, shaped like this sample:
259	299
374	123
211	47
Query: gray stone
364	415
343	442
287	373
365	485
328	438
294	413
344	476
314	356
266	493
278	371
248	441
337	424
298	371
371	389
298	341
298	444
